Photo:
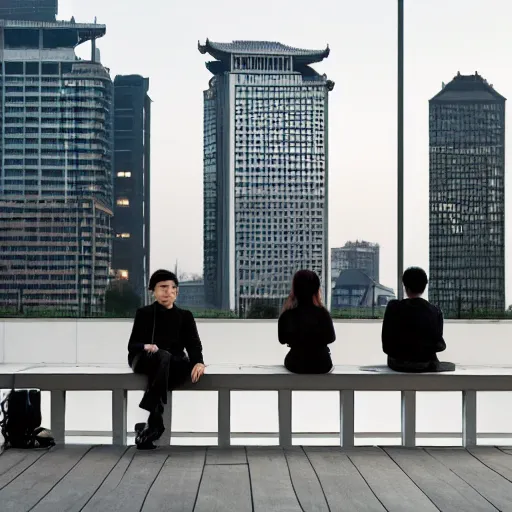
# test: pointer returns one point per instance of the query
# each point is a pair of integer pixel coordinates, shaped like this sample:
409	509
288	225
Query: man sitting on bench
161	333
412	331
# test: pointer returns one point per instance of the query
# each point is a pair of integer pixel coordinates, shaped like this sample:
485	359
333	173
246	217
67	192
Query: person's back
306	327
412	330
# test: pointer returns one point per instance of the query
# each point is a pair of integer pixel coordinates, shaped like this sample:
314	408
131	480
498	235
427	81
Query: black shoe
145	437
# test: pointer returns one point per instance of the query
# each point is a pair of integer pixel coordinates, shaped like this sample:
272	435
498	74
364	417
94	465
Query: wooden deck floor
107	478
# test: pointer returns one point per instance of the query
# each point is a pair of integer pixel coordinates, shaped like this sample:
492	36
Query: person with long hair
306	326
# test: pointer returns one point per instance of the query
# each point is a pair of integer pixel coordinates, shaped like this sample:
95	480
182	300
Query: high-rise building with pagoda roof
265	171
467	197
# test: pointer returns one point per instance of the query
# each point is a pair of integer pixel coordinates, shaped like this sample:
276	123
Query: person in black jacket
412	331
161	334
306	327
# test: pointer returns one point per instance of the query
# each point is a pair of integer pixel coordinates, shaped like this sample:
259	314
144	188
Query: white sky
158	39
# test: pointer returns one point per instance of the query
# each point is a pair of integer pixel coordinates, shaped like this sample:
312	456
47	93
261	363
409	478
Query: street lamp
400	150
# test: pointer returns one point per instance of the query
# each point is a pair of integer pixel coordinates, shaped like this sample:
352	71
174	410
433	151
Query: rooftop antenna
93	43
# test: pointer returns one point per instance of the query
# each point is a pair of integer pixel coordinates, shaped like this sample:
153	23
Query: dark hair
305	288
162	275
415	280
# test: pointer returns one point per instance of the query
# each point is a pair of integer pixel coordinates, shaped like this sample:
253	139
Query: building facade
132	136
467	197
364	256
56	168
29	10
265	171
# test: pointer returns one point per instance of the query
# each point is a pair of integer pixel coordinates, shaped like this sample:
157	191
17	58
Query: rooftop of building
356	277
223	52
467	88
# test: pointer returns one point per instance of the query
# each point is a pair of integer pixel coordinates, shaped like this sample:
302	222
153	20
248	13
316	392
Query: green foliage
261	309
121	299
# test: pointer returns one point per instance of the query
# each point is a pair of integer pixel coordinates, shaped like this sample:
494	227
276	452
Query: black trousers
164	373
308	363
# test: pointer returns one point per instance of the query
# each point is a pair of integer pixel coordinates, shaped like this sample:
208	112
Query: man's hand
197	372
151	348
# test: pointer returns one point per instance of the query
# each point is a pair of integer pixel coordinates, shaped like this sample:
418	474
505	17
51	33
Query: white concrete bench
224	379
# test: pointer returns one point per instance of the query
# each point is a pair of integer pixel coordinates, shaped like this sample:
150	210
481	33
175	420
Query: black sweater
412	330
306	328
174	331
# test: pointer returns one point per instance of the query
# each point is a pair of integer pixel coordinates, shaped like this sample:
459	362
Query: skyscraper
56	168
132	134
359	255
265	171
467	196
28	10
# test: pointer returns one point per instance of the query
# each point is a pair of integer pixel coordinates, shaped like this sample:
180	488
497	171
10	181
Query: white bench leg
285	418
409	419
469	436
347	418
224	418
119	407
58	415
165	440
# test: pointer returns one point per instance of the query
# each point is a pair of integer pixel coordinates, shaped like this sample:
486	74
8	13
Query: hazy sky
158	39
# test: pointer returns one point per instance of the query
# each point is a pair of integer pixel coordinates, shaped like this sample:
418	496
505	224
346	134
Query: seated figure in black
161	333
412	331
306	327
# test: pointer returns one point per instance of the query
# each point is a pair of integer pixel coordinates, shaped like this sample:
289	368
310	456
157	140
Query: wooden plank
469	434
224	418
58	415
79	485
224	488
119	411
285	417
129	495
409	418
13	462
177	484
220	456
31	486
272	488
442	486
305	482
347	418
494	459
390	484
344	487
116	475
487	482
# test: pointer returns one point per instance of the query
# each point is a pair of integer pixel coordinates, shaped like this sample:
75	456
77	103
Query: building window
122	274
124	174
123	235
123	202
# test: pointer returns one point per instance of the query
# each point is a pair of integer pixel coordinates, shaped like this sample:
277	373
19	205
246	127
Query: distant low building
355	289
191	295
358	255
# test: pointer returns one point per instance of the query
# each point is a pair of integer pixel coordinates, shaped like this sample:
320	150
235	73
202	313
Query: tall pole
400	149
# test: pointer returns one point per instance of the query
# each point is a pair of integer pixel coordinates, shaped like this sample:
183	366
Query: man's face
166	293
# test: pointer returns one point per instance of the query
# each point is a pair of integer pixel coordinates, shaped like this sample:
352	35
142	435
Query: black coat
173	330
412	330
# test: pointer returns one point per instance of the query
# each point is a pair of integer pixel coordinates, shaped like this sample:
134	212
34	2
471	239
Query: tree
121	299
262	309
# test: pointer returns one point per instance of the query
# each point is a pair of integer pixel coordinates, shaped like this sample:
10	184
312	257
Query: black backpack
21	421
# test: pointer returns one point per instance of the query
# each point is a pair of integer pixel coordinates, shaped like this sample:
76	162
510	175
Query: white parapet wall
234	342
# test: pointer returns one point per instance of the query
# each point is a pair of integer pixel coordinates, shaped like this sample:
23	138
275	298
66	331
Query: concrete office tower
56	169
132	135
28	10
467	197
265	171
358	255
